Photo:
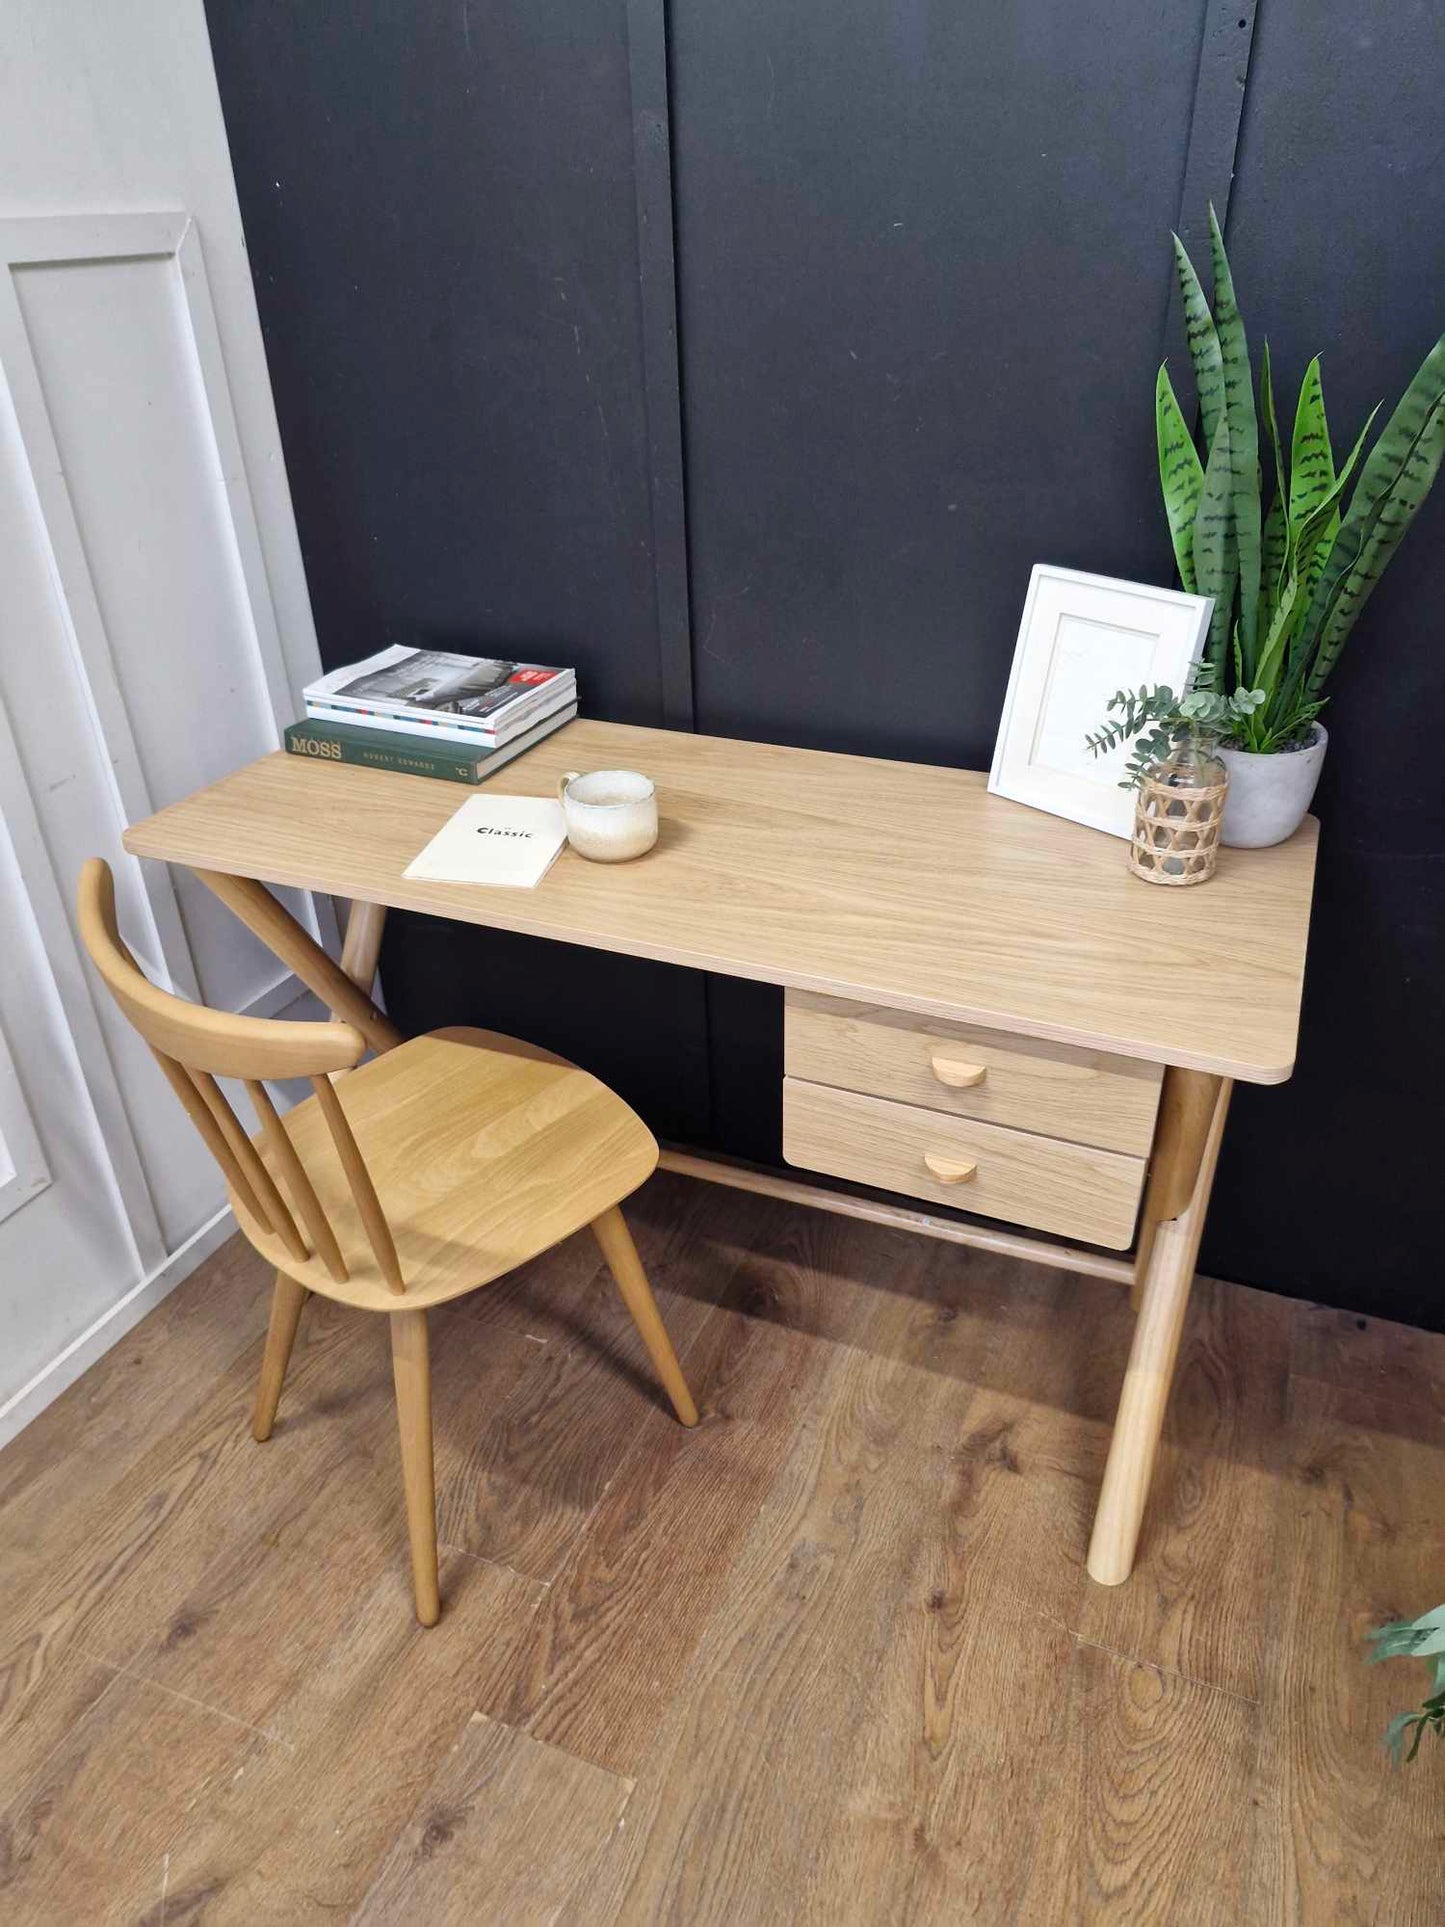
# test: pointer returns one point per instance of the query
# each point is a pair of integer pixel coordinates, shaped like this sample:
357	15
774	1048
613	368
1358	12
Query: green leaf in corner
1181	475
1395	1736
1203	345
1214	564
1243	442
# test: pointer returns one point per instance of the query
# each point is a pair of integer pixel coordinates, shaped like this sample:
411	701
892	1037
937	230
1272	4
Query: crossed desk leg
1181	1177
345	988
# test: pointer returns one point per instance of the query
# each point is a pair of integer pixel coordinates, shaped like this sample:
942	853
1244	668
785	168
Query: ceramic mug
611	813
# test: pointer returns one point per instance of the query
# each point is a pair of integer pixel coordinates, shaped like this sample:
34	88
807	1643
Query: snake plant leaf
1273	556
1181	474
1214	550
1305	540
1405	439
1243	441
1274	543
1203	345
1381	471
1272	654
1294	591
1312	462
1392	515
1312	566
1314	539
1310	543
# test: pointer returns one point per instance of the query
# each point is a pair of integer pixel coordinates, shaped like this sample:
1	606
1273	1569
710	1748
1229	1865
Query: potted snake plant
1270	534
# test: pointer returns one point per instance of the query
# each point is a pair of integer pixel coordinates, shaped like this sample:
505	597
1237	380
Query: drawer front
1073	1190
1056	1090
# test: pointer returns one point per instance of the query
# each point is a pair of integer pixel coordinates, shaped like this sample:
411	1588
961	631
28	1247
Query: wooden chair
424	1174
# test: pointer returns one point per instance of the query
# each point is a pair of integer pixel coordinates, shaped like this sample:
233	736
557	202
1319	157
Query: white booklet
508	840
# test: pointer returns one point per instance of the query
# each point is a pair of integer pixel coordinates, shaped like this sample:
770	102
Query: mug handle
562	782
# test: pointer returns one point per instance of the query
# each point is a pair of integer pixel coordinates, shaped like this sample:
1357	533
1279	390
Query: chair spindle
363	1191
275	1214
179	1080
293	1173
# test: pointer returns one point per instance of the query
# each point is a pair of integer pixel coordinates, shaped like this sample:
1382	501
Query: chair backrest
195	1045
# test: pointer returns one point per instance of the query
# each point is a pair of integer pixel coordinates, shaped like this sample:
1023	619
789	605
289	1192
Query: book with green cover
410	756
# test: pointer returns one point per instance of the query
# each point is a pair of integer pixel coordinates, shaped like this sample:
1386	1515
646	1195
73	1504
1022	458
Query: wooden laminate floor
832	1657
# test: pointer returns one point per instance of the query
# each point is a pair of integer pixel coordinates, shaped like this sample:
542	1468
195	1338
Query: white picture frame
1081	638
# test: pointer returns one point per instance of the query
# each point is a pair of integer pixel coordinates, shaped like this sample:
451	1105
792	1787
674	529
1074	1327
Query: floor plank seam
1164	1672
614	1839
588	1518
497	1565
201	1706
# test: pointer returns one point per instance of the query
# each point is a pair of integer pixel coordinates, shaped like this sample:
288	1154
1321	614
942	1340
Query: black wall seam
657	287
1220	84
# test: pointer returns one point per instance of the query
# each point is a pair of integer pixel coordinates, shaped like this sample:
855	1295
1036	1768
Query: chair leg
411	1368
610	1231
286	1302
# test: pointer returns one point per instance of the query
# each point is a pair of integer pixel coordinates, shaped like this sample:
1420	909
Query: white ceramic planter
1268	795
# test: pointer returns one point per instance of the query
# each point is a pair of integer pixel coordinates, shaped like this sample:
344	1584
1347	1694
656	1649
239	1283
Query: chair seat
484	1152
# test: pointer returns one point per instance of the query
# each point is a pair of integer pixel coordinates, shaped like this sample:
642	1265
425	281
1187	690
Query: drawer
996	1076
1074	1190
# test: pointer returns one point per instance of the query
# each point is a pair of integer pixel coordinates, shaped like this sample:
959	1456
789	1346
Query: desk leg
362	947
254	904
1181	1178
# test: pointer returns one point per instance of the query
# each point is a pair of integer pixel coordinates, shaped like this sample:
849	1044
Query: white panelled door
77	1229
154	633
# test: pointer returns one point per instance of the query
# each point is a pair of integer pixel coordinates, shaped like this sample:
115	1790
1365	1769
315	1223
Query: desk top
891	883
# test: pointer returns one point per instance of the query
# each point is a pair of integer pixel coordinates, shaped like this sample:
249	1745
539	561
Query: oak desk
984	1009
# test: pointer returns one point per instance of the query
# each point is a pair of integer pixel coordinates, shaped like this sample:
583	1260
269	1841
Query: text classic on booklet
508	840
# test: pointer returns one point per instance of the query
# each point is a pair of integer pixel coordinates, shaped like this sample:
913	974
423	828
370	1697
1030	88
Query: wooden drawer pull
958	1075
950	1170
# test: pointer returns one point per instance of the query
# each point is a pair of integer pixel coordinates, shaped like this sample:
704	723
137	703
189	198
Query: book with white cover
510	841
461	697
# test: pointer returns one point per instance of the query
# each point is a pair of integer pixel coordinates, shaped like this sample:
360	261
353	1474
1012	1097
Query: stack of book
426	712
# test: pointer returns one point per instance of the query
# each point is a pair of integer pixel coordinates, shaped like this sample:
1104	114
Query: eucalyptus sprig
1422	1638
1156	721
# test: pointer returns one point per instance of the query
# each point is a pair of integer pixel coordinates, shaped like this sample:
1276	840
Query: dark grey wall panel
922	283
439	206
